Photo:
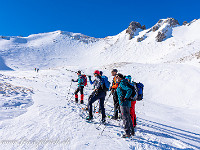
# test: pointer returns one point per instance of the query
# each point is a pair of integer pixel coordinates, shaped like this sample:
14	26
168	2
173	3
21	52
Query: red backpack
84	79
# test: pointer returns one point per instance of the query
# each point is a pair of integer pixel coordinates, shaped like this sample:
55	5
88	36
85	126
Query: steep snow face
188	31
3	65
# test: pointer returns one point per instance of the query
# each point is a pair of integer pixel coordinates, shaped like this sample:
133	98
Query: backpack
140	87
134	94
105	83
137	91
84	80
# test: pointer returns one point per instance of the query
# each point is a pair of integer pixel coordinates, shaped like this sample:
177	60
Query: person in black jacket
98	93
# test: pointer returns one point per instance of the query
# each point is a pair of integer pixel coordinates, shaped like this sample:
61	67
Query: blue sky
97	18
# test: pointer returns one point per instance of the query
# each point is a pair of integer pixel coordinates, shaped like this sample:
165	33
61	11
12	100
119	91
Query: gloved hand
72	80
96	91
89	77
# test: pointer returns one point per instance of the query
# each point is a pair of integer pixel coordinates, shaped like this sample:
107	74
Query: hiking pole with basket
69	90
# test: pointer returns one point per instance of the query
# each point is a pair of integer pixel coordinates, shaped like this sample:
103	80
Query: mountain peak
133	27
171	22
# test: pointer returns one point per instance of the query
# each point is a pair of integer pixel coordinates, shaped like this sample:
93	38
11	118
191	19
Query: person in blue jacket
80	88
124	92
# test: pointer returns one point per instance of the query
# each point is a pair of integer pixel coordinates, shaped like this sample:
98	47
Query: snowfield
38	109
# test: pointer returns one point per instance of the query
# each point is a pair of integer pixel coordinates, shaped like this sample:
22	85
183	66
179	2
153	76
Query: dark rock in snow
133	27
162	34
185	23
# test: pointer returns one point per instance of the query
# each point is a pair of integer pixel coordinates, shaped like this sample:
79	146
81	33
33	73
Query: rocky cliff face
133	27
163	28
167	25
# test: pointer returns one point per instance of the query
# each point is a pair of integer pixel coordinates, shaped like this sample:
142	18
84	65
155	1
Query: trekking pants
128	125
80	88
132	113
116	104
93	97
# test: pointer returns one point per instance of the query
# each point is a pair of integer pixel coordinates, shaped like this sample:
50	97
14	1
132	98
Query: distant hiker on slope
114	92
124	92
98	93
80	88
132	108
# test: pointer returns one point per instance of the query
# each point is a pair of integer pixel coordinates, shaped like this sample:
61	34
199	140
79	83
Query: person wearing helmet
98	93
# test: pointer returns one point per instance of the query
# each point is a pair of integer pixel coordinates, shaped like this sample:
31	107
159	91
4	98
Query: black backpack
134	94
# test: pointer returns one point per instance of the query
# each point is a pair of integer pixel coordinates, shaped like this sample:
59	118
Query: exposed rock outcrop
185	23
167	25
133	27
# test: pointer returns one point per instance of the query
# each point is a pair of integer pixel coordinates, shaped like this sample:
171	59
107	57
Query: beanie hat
96	72
115	70
120	75
128	77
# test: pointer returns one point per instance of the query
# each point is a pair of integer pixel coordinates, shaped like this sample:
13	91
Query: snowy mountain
40	107
60	48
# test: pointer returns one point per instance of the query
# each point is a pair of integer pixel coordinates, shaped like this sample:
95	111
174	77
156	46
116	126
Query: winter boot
126	136
82	96
132	133
114	118
76	98
103	120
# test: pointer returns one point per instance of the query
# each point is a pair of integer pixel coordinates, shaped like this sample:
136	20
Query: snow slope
38	109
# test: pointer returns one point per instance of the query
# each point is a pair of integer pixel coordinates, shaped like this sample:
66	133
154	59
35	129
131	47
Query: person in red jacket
113	89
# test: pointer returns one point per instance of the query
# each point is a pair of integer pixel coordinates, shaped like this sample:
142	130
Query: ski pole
69	90
110	111
71	97
71	70
107	98
105	103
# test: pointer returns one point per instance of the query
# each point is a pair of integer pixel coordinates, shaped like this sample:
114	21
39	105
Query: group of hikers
37	70
125	93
